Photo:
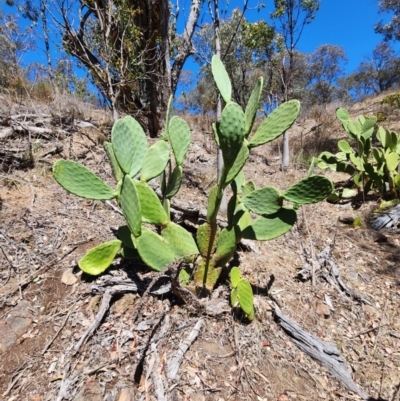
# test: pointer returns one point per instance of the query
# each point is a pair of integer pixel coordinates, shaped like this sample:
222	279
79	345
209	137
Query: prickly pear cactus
255	213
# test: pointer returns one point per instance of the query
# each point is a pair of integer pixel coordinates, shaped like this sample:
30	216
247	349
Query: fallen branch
173	366
325	353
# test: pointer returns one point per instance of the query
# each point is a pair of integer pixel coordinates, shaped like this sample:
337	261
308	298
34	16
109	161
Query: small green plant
242	293
392	100
371	167
259	214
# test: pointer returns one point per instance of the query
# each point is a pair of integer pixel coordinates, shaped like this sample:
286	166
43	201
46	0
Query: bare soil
44	231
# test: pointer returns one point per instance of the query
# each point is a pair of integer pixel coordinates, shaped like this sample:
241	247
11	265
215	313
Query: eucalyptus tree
391	29
131	50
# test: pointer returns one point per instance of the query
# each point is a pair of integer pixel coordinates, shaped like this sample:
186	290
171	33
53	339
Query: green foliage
130	157
242	293
370	167
392	100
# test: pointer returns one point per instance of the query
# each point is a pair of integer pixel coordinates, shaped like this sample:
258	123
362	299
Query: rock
91	391
68	278
125	303
16	323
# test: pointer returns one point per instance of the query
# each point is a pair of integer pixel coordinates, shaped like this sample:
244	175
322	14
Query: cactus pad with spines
245	298
265	228
155	160
267	200
153	250
279	121
226	245
174	182
151	208
116	169
238	164
231	132
130	205
203	236
80	181
179	135
253	104
179	241
221	78
309	190
100	258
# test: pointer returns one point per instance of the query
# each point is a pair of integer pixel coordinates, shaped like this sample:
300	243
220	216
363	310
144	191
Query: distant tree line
133	55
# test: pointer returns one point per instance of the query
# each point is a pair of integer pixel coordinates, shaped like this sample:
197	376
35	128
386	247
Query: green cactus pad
130	205
342	114
129	143
203	236
155	160
116	169
212	273
277	123
245	298
345	147
151	207
309	190
221	78
238	164
174	182
179	241
265	228
235	276
179	135
357	161
384	137
392	161
153	250
80	181
212	203
125	235
248	188
129	253
233	298
231	132
253	104
244	221
267	200
226	245
100	258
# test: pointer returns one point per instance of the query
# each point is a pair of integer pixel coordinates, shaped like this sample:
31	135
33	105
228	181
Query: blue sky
348	23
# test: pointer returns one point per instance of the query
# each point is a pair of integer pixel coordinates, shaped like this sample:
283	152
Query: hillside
47	304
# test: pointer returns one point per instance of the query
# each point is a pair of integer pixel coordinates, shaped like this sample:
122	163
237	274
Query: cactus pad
266	200
153	250
129	143
277	123
342	114
309	190
179	241
125	235
174	182
235	276
151	207
221	78
155	160
179	135
100	258
226	245
203	237
212	203
265	228
253	104
245	298
130	205
116	169
345	147
80	181
238	164
231	132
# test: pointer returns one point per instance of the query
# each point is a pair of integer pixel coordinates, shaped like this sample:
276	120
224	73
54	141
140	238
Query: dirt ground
46	303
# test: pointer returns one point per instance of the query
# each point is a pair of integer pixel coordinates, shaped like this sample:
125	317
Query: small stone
68	278
127	394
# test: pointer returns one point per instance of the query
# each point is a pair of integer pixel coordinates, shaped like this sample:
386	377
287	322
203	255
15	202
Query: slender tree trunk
220	161
43	15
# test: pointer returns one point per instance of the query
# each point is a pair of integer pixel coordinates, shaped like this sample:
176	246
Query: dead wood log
323	352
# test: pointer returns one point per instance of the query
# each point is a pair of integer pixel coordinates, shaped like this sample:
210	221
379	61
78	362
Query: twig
173	366
379	329
15	380
58	332
105	304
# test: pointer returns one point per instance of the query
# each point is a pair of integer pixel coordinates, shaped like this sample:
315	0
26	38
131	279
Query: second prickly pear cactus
260	214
